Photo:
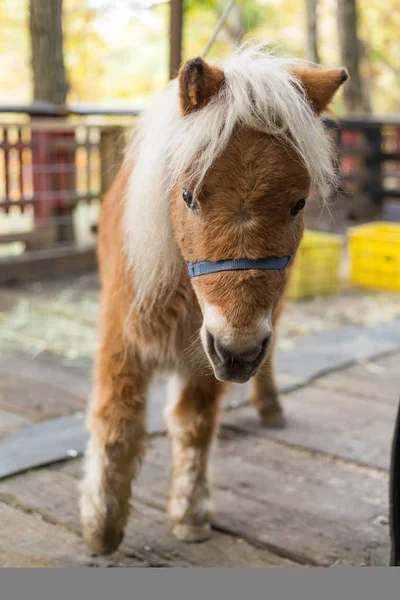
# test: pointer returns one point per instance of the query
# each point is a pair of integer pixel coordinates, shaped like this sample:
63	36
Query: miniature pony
217	179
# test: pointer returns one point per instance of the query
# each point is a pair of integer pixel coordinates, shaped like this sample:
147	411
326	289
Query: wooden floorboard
46	384
27	540
312	494
148	536
10	422
37	400
330	422
313	510
378	381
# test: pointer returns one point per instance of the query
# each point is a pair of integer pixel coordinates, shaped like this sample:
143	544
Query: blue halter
240	264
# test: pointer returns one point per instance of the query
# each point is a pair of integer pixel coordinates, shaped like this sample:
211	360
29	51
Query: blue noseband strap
240	264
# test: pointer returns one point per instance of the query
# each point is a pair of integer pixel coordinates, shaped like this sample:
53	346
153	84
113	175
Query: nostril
210	339
228	356
216	349
220	351
212	346
266	342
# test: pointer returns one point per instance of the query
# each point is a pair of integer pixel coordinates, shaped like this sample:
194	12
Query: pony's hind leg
265	396
191	416
116	447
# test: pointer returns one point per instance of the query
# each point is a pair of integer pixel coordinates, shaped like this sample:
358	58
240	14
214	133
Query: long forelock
260	92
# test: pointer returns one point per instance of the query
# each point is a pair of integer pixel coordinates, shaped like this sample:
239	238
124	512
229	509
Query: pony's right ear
198	83
321	85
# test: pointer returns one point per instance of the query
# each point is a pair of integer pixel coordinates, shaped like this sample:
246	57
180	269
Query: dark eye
189	200
298	207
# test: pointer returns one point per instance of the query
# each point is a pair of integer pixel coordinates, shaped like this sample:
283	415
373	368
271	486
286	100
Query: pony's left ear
321	85
198	83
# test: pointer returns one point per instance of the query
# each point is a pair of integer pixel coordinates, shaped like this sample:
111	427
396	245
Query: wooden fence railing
370	163
56	164
47	169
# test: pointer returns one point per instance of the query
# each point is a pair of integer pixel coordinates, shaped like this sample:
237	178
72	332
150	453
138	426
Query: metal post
373	165
175	37
394	495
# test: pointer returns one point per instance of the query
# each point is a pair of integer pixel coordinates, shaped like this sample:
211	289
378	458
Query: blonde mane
259	91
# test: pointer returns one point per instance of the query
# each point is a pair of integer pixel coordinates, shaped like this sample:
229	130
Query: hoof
273	419
192	533
102	542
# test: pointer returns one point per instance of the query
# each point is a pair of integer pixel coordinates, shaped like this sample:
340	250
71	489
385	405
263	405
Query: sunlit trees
118	52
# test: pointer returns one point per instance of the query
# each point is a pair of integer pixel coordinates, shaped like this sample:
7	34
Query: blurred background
116	52
74	77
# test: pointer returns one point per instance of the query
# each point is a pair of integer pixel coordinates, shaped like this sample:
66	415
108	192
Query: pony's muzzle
233	365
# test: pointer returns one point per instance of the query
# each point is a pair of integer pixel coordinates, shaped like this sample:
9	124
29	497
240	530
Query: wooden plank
28	540
330	422
378	381
11	558
42	236
148	535
318	354
58	125
63	373
52	262
43	387
309	509
38	401
10	422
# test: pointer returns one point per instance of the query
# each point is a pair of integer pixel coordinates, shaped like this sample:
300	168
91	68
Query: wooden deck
313	494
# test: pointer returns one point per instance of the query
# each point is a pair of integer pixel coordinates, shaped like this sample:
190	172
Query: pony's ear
198	82
321	85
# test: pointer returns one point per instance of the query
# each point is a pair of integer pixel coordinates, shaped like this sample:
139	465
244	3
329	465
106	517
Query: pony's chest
165	336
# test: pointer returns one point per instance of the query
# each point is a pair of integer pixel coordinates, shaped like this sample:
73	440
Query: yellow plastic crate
375	255
316	266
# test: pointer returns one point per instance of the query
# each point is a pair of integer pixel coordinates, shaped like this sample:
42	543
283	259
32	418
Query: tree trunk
175	40
312	31
49	79
350	49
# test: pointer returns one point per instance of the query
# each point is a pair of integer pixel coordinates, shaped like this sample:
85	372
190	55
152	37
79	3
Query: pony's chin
236	379
229	376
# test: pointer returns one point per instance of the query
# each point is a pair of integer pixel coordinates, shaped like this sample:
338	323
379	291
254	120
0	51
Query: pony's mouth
236	366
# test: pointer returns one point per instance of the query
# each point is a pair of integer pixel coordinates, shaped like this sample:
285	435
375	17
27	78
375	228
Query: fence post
373	165
65	183
112	148
53	172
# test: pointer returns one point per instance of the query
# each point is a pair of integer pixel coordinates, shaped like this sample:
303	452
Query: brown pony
219	170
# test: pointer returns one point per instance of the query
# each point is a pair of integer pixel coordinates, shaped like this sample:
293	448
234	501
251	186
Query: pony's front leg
265	396
191	416
116	447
